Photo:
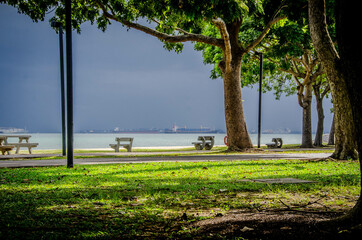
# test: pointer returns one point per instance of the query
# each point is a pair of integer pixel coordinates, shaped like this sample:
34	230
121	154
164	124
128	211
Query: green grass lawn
148	200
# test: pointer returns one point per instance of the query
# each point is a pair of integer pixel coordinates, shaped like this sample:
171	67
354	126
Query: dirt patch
272	225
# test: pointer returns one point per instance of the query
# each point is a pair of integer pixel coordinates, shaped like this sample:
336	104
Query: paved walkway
138	157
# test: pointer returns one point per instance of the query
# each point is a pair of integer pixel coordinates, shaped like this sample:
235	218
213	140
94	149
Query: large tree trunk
350	55
318	140
344	127
237	131
307	140
347	66
345	144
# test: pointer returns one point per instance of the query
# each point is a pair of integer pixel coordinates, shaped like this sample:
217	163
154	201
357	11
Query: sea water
102	140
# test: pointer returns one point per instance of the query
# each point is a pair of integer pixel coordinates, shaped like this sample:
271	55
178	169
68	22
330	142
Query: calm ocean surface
100	140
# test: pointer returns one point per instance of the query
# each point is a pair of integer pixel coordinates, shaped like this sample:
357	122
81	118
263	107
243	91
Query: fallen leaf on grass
285	228
246	229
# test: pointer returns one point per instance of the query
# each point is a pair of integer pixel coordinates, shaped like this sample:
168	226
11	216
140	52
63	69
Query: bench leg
128	148
208	146
17	149
29	148
5	151
199	146
117	148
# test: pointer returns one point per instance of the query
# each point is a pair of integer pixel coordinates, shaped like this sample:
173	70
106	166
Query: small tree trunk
318	140
307	141
331	133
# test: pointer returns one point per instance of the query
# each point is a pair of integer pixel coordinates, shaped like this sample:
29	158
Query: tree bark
346	67
307	141
350	64
344	127
331	133
237	131
319	96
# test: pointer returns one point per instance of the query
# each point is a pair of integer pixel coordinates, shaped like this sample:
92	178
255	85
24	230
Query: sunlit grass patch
149	199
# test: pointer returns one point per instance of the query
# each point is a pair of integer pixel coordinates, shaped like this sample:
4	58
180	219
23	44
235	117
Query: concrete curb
145	159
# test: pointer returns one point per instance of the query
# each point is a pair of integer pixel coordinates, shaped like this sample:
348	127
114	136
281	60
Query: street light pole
260	93
62	90
68	29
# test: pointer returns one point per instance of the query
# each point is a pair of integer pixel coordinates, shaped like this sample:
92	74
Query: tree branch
320	35
220	24
176	28
265	31
185	37
326	90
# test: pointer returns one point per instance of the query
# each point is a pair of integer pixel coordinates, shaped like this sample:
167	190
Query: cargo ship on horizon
177	129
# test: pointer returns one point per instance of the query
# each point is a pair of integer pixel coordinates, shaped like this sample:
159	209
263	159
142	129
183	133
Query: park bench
276	143
206	142
122	142
6	148
24	145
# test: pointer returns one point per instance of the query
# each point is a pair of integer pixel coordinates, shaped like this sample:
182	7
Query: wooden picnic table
19	144
20	137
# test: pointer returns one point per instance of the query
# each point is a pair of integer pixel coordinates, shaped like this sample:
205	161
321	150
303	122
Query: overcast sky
122	79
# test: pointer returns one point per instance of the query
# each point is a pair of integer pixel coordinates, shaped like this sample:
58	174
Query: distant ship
10	130
177	129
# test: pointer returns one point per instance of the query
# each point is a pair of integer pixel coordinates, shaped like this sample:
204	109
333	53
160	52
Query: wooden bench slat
20	145
23	144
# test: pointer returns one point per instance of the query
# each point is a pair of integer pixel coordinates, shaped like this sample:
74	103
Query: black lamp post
62	90
260	93
68	30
